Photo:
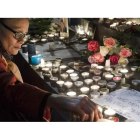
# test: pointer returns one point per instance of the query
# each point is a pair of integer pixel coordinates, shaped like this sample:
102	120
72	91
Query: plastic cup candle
33	40
109	112
125	86
105	73
84	90
95	94
82	95
104	91
70	71
134	68
85	74
123	71
61	38
117	79
71	93
111	84
100	67
63	67
43	39
54	79
100	109
88	81
136	82
68	84
108	69
64	76
94	88
45	70
129	74
60	83
118	74
94	65
108	77
55	69
74	78
50	35
42	64
78	83
84	39
96	78
49	64
97	72
102	83
73	74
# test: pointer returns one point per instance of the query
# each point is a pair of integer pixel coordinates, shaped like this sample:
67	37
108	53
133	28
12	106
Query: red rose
114	59
93	46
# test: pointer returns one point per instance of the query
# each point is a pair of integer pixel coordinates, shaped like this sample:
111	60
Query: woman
16	96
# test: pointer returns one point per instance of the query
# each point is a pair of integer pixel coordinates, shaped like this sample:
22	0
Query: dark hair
3	19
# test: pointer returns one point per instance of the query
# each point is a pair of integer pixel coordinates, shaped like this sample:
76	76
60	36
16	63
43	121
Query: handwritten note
124	102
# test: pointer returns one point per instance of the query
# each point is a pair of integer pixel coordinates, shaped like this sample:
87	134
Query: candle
105	73
73	74
84	39
94	88
102	83
60	83
125	86
96	78
50	35
74	78
94	65
45	70
82	95
64	76
109	112
128	75
55	69
88	81
33	40
117	79
49	64
118	74
42	64
134	68
85	74
84	90
108	69
123	71
104	91
43	39
68	84
61	38
71	93
100	67
111	84
114	119
70	71
135	82
108	77
63	67
107	63
97	72
95	94
54	79
100	109
78	83
56	34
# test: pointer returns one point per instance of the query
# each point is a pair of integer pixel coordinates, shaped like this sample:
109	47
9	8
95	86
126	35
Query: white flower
104	50
123	60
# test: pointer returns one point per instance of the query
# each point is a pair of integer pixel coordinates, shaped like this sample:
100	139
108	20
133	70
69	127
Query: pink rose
93	46
125	52
109	42
98	57
114	59
91	59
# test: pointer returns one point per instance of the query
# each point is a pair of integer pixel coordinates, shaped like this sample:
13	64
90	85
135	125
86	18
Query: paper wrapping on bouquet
124	102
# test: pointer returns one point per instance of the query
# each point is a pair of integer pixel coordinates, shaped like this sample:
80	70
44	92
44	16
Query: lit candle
73	74
70	71
63	67
134	68
129	22
49	64
94	88
96	78
84	39
108	77
100	67
71	93
95	94
111	84
124	71
109	112
88	81
104	91
68	84
56	34
50	35
84	90
64	76
78	83
105	73
60	83
55	69
74	78
54	79
108	69
117	79
43	39
61	38
85	74
33	40
94	65
97	72
102	83
82	95
135	82
45	70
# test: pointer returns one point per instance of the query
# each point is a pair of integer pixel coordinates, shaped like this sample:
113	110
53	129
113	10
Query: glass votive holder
78	83
60	83
134	68
71	94
109	69
88	81
85	74
95	94
96	78
108	77
104	91
45	70
74	78
94	88
111	84
68	84
109	112
63	67
84	90
64	76
70	71
97	72
94	65
100	67
102	83
105	73
117	79
54	69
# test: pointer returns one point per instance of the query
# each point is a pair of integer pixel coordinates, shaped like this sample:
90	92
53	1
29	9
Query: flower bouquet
111	50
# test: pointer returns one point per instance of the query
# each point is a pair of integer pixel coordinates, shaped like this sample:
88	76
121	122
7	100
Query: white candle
82	95
108	76
71	93
107	63
88	81
60	83
70	71
100	67
33	40
45	69
63	67
84	90
64	76
49	64
73	74
84	39
78	83
123	71
61	37
51	35
68	84
109	112
94	65
85	74
43	39
94	88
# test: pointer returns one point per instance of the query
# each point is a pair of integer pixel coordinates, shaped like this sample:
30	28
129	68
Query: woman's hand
81	106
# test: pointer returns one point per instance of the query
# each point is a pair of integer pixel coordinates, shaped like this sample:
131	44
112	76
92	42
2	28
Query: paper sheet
124	102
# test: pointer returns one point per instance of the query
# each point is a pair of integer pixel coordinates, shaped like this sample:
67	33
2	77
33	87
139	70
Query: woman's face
7	38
